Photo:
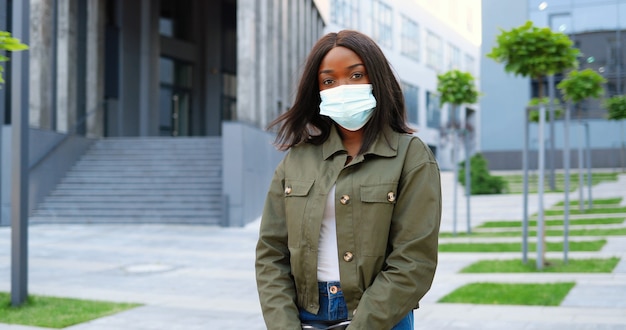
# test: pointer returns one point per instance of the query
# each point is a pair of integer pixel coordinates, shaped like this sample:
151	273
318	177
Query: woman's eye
357	75
327	81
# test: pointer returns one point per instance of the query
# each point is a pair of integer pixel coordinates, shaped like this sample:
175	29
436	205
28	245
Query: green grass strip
516	247
545	294
531	233
607	201
515	182
591	211
58	313
533	223
593	265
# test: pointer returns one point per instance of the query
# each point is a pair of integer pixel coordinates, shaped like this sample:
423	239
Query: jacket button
287	190
348	256
345	199
391	196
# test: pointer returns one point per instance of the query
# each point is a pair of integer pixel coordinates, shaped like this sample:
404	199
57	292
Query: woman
349	230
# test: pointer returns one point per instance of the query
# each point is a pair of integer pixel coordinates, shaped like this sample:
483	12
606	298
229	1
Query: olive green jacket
388	211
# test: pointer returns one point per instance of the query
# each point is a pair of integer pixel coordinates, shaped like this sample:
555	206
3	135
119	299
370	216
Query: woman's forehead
340	58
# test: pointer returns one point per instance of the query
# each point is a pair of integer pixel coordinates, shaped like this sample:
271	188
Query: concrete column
66	59
40	48
263	40
247	78
95	67
212	85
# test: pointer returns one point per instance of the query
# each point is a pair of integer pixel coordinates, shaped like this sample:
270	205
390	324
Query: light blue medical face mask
350	106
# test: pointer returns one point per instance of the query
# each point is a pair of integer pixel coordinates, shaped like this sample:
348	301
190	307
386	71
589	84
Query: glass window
411	98
345	13
454	57
175	73
470	64
175	21
382	17
410	39
433	113
434	51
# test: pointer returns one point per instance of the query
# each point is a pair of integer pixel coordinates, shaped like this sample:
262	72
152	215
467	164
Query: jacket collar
385	145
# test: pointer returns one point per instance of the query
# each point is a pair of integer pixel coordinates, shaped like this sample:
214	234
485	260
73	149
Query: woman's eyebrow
349	67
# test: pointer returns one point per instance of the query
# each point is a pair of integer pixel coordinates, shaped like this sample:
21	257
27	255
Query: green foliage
530	51
8	43
616	106
544	294
456	87
580	85
481	181
535	102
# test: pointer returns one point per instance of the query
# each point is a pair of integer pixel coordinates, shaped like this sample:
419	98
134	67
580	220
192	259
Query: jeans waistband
329	287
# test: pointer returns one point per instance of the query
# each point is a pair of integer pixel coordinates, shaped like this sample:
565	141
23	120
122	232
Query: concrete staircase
141	180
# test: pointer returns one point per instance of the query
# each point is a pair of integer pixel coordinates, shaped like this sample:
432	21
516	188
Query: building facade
422	39
597	29
116	68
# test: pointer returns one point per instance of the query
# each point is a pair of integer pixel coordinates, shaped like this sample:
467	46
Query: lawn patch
604	201
545	294
516	247
593	265
549	232
533	223
590	211
58	313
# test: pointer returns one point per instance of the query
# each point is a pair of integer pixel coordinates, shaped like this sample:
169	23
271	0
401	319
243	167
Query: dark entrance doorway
175	97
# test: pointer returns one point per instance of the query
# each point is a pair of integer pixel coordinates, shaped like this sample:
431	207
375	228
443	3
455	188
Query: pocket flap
380	193
298	187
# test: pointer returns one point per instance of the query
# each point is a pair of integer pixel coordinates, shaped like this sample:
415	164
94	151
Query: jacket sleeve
413	245
275	284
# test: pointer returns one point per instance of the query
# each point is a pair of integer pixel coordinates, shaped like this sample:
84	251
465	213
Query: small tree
456	88
535	52
581	85
8	43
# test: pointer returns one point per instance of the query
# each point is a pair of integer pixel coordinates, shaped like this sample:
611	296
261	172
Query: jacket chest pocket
296	200
377	204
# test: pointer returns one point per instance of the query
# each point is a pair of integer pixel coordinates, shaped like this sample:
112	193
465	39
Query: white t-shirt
327	257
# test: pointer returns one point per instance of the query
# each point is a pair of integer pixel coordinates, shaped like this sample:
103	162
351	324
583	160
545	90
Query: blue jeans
333	308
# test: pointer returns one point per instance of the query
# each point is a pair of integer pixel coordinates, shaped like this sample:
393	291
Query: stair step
82	198
140	180
121	220
117	212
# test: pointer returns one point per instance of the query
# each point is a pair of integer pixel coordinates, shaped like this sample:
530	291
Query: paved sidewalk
202	277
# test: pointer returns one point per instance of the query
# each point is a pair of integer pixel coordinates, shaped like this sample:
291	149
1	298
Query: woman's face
341	66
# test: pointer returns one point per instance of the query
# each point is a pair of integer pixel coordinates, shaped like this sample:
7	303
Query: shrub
482	182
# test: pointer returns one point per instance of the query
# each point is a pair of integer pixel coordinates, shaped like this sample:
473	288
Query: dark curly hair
303	123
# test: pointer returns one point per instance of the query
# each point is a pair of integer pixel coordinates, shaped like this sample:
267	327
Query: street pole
540	184
468	182
566	158
525	211
455	178
19	156
581	183
589	181
552	119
